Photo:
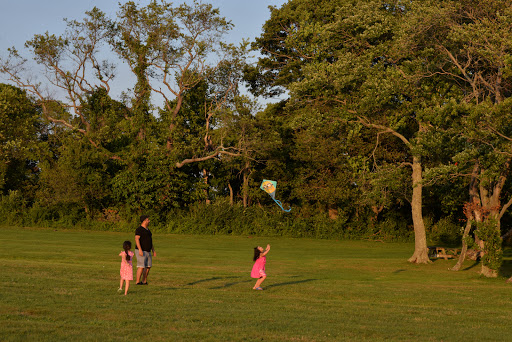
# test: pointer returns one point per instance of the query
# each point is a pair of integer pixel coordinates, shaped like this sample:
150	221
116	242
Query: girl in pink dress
126	266
258	270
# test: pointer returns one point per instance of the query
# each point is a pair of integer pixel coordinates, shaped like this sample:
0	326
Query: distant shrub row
219	218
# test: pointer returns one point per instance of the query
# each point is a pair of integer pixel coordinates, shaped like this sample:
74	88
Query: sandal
257	288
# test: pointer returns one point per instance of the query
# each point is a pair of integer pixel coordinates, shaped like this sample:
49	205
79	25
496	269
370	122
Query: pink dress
126	266
258	270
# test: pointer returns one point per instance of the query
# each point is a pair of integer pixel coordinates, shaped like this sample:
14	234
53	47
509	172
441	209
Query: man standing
144	245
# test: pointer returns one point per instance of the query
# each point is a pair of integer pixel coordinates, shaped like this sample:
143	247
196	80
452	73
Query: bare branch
211	156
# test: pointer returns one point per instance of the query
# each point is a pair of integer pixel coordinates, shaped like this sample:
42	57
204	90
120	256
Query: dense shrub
219	218
443	232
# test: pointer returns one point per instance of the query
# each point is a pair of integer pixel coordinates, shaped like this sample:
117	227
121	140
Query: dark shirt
146	240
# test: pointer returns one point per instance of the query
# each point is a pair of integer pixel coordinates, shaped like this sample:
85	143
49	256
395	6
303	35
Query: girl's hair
127	245
257	254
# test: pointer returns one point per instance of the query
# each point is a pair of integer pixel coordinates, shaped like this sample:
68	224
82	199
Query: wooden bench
442	252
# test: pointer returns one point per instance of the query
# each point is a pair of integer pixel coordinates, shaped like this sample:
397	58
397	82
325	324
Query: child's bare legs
259	281
121	283
127	287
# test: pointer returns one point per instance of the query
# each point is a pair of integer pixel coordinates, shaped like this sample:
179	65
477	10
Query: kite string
281	205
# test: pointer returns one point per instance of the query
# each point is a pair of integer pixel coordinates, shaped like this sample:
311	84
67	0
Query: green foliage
12	207
493	253
221	218
371	87
19	126
444	232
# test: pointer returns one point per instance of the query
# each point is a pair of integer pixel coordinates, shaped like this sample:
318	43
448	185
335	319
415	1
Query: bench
442	252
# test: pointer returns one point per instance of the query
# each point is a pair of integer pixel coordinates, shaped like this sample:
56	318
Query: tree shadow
475	264
507	252
290	283
506	269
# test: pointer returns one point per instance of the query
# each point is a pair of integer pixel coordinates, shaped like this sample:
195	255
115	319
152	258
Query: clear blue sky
21	19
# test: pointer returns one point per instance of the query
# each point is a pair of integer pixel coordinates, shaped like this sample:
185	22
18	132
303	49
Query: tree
468	44
347	71
171	50
168	48
19	126
290	41
71	66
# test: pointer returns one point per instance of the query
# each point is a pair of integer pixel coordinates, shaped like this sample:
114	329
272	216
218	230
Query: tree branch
211	156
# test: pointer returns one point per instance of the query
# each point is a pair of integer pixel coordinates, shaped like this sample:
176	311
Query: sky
21	19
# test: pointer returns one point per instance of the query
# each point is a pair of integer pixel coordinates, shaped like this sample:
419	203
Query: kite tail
281	205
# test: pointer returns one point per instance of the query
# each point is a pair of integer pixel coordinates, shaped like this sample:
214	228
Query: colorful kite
270	188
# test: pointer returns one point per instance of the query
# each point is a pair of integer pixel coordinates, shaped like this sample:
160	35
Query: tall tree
169	48
347	72
19	126
72	67
468	45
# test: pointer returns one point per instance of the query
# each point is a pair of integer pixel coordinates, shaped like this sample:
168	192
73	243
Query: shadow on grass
507	252
290	283
475	264
506	269
206	280
230	284
252	280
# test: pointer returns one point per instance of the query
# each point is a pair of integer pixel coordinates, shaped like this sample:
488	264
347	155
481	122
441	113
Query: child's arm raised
266	251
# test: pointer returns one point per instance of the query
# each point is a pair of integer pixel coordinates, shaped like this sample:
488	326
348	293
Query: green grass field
61	285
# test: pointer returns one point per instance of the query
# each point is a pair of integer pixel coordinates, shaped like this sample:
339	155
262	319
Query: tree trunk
245	186
462	256
230	194
491	203
205	179
489	272
471	214
420	255
376	210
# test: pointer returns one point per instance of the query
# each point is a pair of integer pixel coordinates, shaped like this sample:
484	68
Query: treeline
395	123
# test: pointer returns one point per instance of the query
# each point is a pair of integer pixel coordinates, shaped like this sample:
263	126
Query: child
258	270
126	266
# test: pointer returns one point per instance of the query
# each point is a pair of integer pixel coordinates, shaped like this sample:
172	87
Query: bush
12	208
219	218
444	232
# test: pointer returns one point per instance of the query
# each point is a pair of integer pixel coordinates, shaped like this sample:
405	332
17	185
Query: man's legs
146	272
139	273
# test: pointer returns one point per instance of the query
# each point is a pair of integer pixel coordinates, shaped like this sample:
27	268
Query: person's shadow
240	281
290	283
207	280
230	284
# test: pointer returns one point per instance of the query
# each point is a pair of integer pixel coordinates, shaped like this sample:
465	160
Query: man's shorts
145	260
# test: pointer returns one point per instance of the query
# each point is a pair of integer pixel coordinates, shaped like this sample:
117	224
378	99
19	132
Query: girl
258	270
126	266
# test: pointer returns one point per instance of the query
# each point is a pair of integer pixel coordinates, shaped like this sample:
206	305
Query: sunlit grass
62	286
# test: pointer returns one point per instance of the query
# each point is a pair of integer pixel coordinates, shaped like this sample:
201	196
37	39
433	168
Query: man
144	247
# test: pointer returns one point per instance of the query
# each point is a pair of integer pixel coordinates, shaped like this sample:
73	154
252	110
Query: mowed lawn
61	285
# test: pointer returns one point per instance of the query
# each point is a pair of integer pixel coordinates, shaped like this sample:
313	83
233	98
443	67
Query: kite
270	188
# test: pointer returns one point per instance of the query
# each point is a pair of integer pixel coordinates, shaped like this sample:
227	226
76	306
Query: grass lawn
61	285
